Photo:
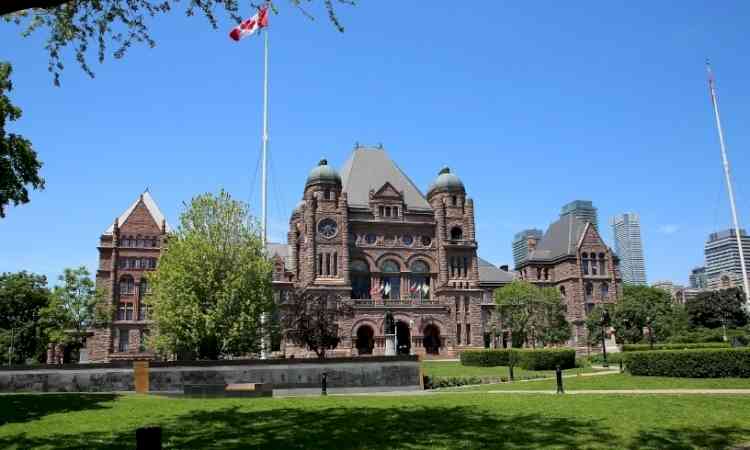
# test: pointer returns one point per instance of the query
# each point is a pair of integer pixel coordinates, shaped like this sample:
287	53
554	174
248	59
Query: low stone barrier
295	375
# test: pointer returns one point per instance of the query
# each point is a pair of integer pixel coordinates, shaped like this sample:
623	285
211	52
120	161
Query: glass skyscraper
629	247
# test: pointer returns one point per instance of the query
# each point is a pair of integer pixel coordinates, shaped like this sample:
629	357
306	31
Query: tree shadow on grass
690	438
376	428
23	408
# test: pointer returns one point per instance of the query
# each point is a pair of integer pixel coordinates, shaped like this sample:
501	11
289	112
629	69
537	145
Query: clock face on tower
327	228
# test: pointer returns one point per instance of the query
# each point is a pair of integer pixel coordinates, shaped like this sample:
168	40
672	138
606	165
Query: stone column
344	208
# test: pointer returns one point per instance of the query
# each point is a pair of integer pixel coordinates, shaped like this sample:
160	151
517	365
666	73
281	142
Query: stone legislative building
367	234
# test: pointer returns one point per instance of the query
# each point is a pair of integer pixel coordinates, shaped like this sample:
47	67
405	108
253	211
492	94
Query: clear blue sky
532	104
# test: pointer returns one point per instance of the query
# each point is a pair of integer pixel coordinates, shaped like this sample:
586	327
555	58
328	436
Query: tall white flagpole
725	161
264	192
264	188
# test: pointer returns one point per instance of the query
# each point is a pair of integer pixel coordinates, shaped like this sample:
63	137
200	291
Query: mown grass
455	369
466	420
620	381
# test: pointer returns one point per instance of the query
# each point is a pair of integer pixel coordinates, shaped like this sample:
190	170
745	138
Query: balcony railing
396	302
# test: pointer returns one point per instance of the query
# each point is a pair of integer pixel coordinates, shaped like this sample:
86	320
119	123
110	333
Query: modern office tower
521	243
629	248
723	269
698	278
582	209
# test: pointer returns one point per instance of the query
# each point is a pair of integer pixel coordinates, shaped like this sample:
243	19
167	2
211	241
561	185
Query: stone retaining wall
386	373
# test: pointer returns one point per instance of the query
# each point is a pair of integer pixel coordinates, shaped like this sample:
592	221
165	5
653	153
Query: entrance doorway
431	340
403	338
365	340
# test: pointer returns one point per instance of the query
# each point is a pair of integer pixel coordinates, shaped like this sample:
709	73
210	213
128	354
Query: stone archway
365	340
431	339
403	338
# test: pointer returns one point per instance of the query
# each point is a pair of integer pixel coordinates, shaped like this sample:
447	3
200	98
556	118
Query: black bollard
510	372
558	374
323	384
148	438
620	364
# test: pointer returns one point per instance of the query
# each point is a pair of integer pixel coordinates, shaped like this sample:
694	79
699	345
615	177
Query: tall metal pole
264	173
727	175
264	188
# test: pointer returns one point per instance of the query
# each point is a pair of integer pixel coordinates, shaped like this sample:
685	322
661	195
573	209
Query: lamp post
604	322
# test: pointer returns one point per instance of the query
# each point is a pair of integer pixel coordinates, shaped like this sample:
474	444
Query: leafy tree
724	308
71	309
532	314
312	320
551	326
594	323
94	23
644	307
23	296
213	283
19	166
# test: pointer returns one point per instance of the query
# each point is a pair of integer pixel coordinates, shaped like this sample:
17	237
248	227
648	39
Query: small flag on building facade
249	26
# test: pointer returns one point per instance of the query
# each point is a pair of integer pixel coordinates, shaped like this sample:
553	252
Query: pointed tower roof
369	169
151	206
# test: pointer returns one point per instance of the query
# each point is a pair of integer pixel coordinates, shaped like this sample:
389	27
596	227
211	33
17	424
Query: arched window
594	268
361	280
562	291
395	211
538	273
605	291
546	273
454	200
139	241
390	279
387	211
585	263
127	285
389	266
419	280
589	290
457	233
602	264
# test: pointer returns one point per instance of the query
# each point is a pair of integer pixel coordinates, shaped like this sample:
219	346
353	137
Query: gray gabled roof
561	239
489	273
371	168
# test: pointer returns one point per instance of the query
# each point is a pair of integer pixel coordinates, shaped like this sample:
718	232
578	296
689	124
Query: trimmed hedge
485	358
699	363
542	359
612	358
691	346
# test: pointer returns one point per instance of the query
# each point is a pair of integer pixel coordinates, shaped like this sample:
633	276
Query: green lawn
466	420
455	369
622	381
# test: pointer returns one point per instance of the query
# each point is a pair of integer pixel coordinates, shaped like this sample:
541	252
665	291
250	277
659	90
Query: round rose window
327	228
426	241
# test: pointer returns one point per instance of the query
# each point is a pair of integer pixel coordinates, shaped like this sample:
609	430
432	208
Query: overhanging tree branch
12	6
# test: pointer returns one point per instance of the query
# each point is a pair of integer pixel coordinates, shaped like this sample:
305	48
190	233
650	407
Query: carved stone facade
369	235
128	250
573	258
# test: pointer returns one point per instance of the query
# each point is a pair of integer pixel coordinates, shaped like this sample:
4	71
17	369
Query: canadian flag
251	25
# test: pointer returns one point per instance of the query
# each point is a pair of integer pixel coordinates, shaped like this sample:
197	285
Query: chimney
531	243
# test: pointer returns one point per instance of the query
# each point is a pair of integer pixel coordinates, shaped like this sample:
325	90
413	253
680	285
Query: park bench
229	390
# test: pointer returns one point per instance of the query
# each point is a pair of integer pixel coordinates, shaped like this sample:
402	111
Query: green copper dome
323	173
446	181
